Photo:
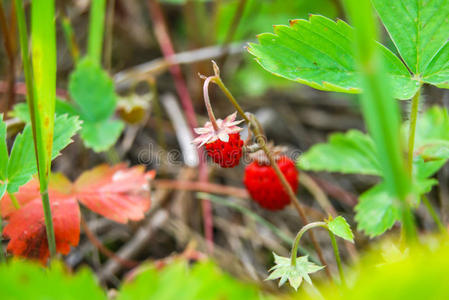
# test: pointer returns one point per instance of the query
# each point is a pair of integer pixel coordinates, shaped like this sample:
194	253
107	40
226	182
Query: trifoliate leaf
319	52
283	270
341	228
352	152
420	36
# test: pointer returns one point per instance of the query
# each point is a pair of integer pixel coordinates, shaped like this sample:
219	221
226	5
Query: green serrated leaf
47	284
93	91
100	136
341	228
352	152
318	52
420	34
22	111
376	211
22	161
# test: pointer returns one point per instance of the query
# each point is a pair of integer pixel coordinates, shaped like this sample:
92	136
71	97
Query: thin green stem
96	30
337	257
49	223
434	214
70	38
412	130
299	236
14	201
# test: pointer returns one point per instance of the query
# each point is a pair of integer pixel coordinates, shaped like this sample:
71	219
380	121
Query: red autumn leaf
26	226
118	193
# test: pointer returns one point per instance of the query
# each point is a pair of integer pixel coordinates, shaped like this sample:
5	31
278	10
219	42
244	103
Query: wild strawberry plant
320	53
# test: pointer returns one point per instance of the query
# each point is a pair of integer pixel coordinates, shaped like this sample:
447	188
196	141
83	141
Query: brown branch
9	47
99	245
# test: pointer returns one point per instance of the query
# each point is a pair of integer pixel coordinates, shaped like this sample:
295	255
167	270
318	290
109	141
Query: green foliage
284	271
101	135
420	36
179	281
352	152
340	228
376	211
95	102
93	91
319	53
26	280
258	16
389	274
21	165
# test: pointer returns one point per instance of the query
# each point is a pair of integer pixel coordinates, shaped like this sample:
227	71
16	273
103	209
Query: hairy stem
210	112
299	236
337	257
434	214
412	130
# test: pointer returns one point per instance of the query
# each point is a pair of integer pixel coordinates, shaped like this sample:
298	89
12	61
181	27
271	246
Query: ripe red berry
222	142
265	187
226	154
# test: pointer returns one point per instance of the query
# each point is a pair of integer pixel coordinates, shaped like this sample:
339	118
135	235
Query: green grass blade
380	111
41	101
96	30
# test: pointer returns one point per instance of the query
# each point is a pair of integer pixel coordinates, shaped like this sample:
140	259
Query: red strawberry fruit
265	187
222	143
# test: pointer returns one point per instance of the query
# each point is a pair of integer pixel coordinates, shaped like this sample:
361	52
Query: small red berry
265	187
226	154
223	144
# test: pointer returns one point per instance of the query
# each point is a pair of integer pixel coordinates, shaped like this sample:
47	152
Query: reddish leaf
26	227
26	193
118	193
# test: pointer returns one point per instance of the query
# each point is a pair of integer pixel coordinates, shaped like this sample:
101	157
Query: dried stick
99	245
10	52
168	51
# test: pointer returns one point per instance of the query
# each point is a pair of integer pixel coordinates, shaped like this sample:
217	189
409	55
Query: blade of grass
96	30
380	110
41	101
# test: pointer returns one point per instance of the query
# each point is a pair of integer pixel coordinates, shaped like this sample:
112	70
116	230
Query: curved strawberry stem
258	133
210	112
